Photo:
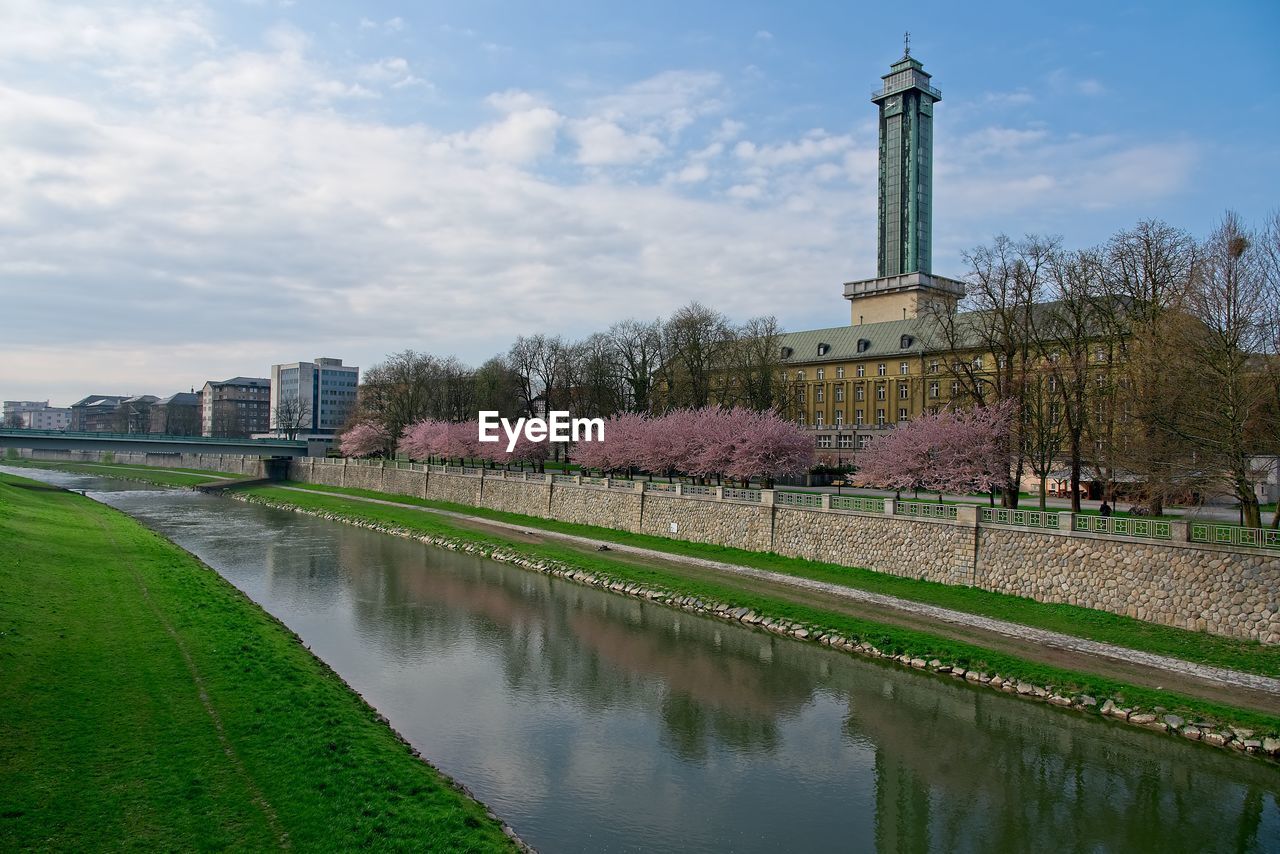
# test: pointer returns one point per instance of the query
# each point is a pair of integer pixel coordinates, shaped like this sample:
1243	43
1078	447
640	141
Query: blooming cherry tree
365	439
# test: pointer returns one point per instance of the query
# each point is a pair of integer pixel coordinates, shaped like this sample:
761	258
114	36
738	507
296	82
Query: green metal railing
797	499
735	494
857	502
1219	534
1125	526
925	510
1022	518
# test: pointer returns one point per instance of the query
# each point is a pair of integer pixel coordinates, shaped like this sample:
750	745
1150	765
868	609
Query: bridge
149	443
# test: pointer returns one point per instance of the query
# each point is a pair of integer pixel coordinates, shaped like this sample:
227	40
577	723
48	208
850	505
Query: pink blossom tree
948	452
365	439
462	440
424	439
768	447
618	449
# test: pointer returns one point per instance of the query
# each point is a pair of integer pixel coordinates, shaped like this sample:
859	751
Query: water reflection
597	723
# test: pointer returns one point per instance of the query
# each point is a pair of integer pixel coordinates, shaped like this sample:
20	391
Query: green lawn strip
887	638
161	476
104	739
1248	656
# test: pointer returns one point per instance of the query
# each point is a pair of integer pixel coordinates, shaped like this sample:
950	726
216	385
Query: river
594	722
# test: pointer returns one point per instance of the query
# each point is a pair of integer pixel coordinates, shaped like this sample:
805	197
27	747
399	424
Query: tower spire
906	44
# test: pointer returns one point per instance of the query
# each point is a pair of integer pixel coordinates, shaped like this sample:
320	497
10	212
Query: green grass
108	739
1201	647
888	638
159	476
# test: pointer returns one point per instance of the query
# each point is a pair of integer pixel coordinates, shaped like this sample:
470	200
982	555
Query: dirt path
1146	669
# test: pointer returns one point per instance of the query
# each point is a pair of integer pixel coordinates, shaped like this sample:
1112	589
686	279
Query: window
839	418
821	373
905	342
955	388
902	391
1003	362
880	392
977	363
800	396
857	417
823	348
839	394
861	370
863	441
933	366
902	415
933	389
824	441
845	441
863	345
800	375
1053	383
880	417
820	393
904	368
800	419
880	369
859	393
817	420
840	372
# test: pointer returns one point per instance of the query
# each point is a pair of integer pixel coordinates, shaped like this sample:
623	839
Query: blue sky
200	190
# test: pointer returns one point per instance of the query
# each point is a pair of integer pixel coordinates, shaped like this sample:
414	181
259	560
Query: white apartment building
36	415
316	397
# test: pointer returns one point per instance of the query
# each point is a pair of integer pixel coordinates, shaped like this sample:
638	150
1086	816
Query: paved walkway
1054	640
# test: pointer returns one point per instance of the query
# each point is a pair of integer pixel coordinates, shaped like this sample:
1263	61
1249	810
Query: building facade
177	415
97	413
235	408
35	415
312	398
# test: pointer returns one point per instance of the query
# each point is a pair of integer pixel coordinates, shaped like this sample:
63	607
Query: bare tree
497	387
1228	300
695	342
290	417
1150	267
992	347
639	347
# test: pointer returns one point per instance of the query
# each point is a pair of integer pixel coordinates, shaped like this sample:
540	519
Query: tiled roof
882	340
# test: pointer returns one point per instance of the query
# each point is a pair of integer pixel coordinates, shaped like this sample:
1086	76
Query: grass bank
888	639
143	474
145	703
1201	647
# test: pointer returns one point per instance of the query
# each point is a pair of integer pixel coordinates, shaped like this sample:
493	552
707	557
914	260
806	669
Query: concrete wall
208	462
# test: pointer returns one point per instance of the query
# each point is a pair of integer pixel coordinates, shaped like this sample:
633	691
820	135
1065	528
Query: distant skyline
197	191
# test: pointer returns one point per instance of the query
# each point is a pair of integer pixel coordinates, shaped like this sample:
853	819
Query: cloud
604	143
189	205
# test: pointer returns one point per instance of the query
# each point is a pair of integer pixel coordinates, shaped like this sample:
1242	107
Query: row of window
859	419
882	393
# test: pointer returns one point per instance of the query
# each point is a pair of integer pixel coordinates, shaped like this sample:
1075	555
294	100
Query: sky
194	191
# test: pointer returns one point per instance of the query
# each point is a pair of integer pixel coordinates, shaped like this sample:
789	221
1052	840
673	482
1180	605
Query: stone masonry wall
596	505
702	520
1204	588
915	548
1227	591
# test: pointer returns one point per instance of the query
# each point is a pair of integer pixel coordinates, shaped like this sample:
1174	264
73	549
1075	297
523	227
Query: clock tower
904	286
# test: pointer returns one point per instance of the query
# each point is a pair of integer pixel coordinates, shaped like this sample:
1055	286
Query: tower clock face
892	103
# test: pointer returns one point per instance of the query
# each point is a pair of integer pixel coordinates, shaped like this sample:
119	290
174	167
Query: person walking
1105	509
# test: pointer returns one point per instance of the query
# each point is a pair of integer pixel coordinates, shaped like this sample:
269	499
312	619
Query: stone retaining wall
1224	590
